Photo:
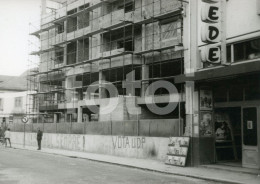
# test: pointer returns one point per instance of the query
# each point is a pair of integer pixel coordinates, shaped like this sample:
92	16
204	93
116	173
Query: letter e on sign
210	54
210	13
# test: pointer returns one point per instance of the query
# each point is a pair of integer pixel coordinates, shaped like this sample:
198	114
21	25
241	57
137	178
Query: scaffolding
83	42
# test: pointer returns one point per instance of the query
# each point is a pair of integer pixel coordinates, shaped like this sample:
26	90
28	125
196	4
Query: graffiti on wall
128	142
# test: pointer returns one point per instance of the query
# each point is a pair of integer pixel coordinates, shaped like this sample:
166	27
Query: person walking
2	137
39	138
7	137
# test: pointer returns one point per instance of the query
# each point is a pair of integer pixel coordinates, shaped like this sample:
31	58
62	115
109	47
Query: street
30	167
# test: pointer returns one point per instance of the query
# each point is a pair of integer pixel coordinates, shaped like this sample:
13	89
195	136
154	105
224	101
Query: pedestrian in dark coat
39	138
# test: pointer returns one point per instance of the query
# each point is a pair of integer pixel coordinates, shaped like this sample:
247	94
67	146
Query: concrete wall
125	146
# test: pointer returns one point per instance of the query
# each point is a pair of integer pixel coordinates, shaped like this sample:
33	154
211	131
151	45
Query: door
250	139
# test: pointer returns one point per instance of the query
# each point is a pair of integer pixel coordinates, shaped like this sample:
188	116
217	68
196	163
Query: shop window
236	93
252	91
220	94
229	53
247	50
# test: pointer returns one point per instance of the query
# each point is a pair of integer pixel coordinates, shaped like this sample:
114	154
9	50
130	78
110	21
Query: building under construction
87	46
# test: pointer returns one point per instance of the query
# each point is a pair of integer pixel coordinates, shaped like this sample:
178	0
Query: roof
16	83
5	78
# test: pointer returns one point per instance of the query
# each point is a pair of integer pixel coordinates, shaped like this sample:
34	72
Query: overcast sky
15	16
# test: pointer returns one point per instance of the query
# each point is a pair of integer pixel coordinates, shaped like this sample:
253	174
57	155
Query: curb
136	167
227	169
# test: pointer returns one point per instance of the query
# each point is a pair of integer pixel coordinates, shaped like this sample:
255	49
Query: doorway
250	139
228	135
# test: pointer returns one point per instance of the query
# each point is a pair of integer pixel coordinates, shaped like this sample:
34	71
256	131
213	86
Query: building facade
89	47
195	63
222	88
13	99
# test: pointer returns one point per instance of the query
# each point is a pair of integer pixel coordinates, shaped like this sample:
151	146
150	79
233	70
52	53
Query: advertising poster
206	102
177	151
206	123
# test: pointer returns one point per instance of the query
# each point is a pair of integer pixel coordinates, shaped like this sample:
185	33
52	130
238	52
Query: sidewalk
218	175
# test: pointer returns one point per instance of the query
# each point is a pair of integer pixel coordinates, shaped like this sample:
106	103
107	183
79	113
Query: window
247	50
83	50
59	56
129	7
18	102
72	11
72	21
71	53
60	28
1	104
166	68
229	53
120	38
83	18
220	94
169	28
84	6
127	44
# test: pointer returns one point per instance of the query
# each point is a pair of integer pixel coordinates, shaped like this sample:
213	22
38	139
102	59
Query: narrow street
29	167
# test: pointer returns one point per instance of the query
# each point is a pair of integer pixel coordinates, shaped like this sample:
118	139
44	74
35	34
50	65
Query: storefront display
177	151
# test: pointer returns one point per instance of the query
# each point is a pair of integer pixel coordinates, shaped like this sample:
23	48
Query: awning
221	72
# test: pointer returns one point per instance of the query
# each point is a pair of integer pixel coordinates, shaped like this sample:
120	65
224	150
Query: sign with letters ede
178	151
211	33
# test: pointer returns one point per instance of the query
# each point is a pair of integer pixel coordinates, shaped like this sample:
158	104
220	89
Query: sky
15	16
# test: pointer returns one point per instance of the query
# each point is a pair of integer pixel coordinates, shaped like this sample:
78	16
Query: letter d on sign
210	33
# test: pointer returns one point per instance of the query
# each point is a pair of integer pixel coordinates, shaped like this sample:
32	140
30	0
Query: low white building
13	98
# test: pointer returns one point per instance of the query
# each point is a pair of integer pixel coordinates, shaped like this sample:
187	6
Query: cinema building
223	84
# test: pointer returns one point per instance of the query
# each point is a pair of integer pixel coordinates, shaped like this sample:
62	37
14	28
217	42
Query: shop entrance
250	139
236	138
228	135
